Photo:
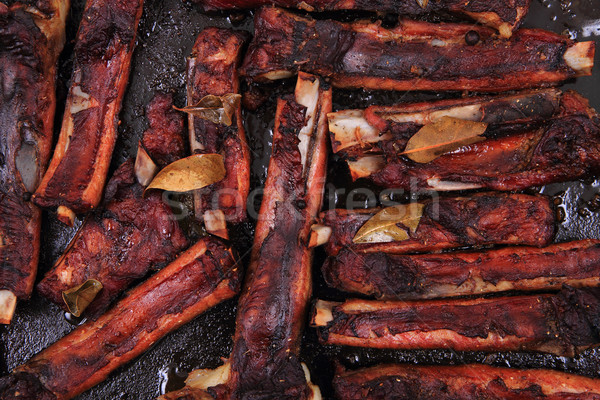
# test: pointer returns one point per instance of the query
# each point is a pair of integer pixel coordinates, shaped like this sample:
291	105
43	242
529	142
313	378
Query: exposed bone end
8	303
206	378
580	57
307	94
445	186
366	166
323	313
65	215
319	235
315	392
276	75
145	168
215	223
350	128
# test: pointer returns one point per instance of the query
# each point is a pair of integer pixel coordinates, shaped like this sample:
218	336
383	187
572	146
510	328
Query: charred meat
213	71
503	15
31	38
529	139
563	324
412	56
462	382
117	245
449	222
77	173
203	276
423	276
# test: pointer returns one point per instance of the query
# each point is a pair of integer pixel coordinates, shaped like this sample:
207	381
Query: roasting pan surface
165	37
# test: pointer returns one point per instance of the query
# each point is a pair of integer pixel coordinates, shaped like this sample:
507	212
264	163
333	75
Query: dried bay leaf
190	173
383	226
216	109
79	297
443	136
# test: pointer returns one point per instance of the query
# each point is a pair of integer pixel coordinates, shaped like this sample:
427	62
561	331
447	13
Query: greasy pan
166	34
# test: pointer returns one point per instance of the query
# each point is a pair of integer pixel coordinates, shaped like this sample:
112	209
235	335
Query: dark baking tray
166	34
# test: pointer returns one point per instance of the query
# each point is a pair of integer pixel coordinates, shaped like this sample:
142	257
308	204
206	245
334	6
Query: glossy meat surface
117	245
77	172
213	70
451	222
29	48
504	15
563	324
203	276
424	276
412	56
462	382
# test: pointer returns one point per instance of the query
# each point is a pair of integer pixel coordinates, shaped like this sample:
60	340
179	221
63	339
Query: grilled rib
31	38
77	173
506	16
462	382
118	244
563	324
200	278
412	56
390	276
265	359
212	70
531	139
451	222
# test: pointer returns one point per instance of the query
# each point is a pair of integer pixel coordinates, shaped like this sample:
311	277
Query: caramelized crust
452	222
412	56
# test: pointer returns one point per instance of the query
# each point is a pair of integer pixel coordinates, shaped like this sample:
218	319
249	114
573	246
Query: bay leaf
384	226
190	173
423	3
443	136
216	109
78	298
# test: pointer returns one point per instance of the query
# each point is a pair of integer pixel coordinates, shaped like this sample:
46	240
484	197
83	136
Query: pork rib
563	324
503	15
77	173
531	139
117	245
462	382
212	70
412	56
265	359
391	276
31	38
203	276
451	222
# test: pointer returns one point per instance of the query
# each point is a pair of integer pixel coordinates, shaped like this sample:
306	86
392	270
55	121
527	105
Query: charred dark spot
472	38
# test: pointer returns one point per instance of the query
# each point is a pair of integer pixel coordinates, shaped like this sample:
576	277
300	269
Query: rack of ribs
31	38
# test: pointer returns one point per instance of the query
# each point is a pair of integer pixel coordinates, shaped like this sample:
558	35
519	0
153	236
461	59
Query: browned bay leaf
216	109
441	137
384	226
190	173
79	297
